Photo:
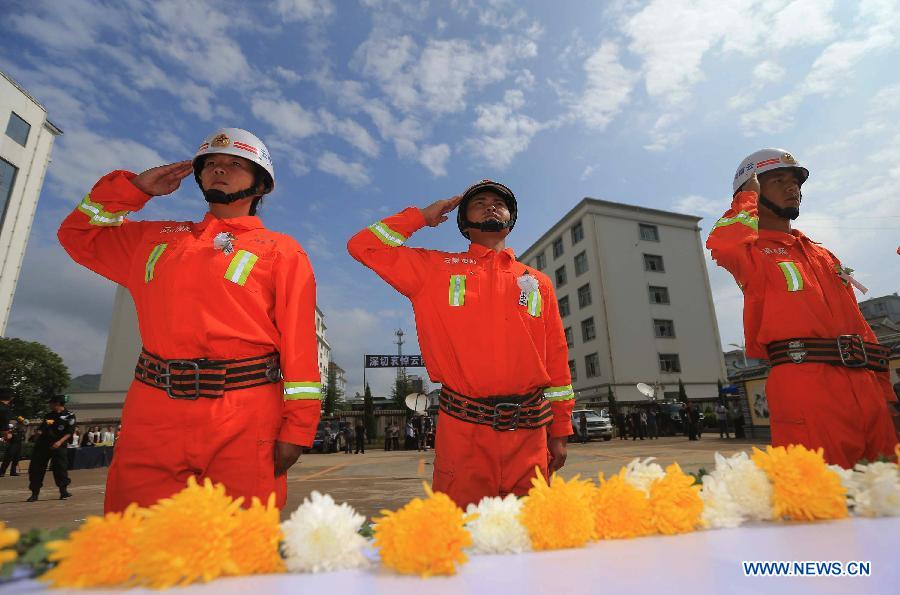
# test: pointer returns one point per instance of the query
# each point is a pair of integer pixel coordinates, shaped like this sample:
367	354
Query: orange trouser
472	461
839	409
164	441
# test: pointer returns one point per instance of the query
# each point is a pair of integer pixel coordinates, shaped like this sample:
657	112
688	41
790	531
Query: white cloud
694	204
502	132
354	174
286	74
664	134
607	87
768	72
288	118
350	131
405	133
434	157
303	10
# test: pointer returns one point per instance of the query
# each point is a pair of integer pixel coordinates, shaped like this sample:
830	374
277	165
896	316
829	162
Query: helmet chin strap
219	197
781	212
489	225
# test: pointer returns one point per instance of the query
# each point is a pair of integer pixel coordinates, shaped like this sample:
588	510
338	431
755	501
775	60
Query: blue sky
370	106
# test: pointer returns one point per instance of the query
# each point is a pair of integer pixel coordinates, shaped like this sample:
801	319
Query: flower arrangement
201	533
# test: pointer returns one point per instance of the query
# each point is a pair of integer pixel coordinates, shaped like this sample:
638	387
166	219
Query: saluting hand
436	212
162	180
751	185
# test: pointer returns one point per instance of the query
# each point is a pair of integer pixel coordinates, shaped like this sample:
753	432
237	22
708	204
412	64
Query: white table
696	564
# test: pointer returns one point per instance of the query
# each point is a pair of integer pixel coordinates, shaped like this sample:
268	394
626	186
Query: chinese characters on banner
394	361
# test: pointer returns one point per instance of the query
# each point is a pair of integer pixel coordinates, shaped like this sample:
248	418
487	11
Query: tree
330	392
369	413
682	394
33	372
400	390
719	392
612	402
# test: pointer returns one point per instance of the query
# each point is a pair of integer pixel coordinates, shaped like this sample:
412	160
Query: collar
243	223
780	237
506	255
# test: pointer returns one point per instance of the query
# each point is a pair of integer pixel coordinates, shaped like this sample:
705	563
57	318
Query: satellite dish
417	402
646	390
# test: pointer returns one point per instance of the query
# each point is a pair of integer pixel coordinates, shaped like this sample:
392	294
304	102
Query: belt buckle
845	354
188	364
514	420
797	351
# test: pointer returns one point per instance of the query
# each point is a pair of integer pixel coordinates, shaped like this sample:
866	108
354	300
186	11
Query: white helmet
236	141
766	160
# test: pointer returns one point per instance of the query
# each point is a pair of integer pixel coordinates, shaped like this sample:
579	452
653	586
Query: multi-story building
635	301
323	345
340	377
24	156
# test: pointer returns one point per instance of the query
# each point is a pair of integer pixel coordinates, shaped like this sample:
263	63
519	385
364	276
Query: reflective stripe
791	275
744	218
296	391
387	235
559	393
534	303
457	290
99	216
240	267
151	261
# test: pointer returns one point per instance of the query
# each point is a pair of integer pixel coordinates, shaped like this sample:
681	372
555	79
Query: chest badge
224	242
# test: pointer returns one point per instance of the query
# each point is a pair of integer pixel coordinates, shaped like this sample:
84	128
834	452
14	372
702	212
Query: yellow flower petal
558	515
803	487
675	502
621	510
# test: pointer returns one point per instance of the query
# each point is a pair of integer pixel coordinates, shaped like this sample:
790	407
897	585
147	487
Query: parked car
598	426
326	441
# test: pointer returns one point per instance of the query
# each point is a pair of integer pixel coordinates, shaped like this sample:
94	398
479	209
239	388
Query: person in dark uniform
11	433
360	438
50	446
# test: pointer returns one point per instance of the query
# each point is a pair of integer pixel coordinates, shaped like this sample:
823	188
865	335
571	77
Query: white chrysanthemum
848	480
876	489
497	530
642	474
720	511
747	485
322	536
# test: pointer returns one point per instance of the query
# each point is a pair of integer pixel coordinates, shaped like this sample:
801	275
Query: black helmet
486	186
60	399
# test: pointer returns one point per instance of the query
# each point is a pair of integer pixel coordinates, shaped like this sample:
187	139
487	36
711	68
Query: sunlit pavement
370	482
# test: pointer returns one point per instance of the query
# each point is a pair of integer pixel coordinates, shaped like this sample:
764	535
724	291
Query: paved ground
369	482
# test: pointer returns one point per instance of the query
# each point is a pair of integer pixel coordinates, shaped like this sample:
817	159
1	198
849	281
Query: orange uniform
480	338
792	289
195	300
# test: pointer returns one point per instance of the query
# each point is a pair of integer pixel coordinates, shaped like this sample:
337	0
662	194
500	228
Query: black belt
849	351
195	378
502	413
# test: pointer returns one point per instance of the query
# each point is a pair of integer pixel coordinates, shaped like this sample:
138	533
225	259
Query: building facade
635	301
24	156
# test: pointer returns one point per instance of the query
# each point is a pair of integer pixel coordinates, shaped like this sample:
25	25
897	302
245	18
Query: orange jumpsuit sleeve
559	393
733	236
97	234
295	317
380	247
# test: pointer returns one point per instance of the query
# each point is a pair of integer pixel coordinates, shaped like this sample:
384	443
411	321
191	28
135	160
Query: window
663	328
570	337
17	129
653	263
592	365
580	263
564	306
577	233
8	173
572	371
561	276
659	295
669	362
587	329
557	248
540	261
584	295
649	233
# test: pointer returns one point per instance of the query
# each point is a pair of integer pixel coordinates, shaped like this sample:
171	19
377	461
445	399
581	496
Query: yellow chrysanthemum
425	537
675	502
621	510
8	537
255	539
803	487
187	537
81	563
559	514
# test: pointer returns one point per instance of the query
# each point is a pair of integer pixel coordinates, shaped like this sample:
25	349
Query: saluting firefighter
50	442
226	309
828	386
491	334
